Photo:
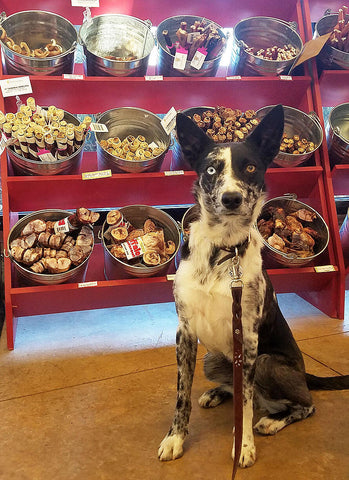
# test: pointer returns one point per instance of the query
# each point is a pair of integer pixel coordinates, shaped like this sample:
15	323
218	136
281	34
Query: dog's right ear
193	141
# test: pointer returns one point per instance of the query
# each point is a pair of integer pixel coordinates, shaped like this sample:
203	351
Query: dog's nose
231	200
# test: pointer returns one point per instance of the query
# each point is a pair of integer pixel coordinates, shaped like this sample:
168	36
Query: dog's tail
327	383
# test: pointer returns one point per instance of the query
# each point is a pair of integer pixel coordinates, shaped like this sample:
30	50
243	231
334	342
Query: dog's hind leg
171	446
217	369
282	390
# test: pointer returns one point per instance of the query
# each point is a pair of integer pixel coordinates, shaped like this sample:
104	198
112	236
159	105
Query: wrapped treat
32	147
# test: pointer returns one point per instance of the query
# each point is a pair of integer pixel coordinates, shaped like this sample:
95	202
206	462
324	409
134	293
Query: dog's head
231	177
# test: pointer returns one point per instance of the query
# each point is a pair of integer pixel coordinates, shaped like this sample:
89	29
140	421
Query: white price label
171	277
72	76
154	77
85	3
11	87
97	174
180	59
2	143
62	226
171	173
324	268
153	145
46	156
199	58
98	127
285	77
169	121
234	77
87	284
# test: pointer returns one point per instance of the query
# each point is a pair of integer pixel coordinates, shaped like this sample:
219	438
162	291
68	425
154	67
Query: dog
230	192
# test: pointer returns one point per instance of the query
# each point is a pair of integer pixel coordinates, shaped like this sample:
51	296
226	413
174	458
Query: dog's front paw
171	447
247	455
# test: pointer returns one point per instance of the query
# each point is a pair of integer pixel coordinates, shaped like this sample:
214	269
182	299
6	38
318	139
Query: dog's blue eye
211	170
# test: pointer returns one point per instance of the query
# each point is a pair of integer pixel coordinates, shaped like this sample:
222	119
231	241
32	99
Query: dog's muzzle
231	200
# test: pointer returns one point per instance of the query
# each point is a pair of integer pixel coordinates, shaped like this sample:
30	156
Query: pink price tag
202	50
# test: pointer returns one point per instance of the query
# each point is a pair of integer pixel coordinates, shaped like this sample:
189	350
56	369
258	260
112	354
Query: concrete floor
90	395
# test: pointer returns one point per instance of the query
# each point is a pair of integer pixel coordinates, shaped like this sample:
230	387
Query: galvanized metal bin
263	32
115	268
68	165
125	121
307	125
337	129
37	28
165	59
290	204
27	276
331	58
116	35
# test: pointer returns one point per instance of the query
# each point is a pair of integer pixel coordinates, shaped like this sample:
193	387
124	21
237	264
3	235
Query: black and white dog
230	192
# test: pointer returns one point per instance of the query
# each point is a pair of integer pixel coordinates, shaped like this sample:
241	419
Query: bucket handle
293	24
2	17
5	253
314	116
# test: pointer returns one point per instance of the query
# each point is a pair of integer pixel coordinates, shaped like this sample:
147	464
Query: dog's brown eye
250	168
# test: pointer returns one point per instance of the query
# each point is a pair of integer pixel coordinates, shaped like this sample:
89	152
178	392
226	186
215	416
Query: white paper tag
134	248
72	76
153	77
97	174
41	111
171	173
234	77
62	226
3	141
85	3
98	127
46	157
180	59
285	77
198	59
87	284
170	277
324	268
153	145
11	87
169	121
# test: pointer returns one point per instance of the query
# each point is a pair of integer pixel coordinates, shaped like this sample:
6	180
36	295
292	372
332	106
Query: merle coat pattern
230	191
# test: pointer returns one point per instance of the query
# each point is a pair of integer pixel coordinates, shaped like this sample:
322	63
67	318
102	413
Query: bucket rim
63	54
333	128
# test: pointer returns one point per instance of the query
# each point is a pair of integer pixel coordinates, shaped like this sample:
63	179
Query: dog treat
46	249
289	232
340	33
49	50
137	246
296	145
33	129
286	52
131	148
225	125
199	35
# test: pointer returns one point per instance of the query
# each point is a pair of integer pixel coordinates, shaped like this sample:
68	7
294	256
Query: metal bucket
263	32
69	165
178	161
338	134
76	274
116	35
37	28
192	214
290	204
136	215
330	57
125	121
165	60
297	123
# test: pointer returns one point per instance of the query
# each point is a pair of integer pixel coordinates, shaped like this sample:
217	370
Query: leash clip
235	271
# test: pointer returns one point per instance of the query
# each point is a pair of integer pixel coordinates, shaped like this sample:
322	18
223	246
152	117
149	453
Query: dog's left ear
268	134
193	141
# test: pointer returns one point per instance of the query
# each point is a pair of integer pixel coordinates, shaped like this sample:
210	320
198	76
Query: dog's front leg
172	445
248	449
